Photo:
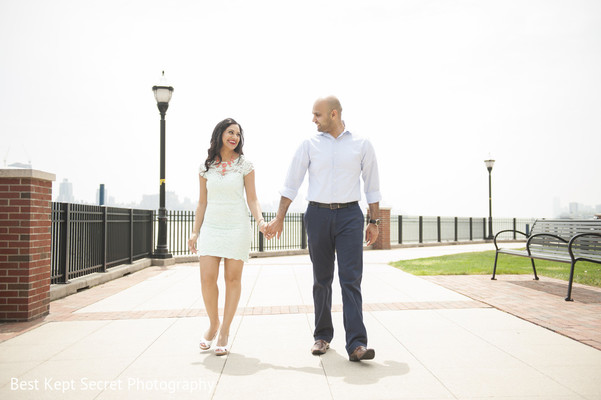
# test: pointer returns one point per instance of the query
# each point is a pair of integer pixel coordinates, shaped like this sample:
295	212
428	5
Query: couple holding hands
336	160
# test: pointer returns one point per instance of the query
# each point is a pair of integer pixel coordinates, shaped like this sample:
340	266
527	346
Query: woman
222	226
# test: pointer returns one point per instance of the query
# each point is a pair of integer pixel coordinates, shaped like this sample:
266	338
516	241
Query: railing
180	225
403	230
87	239
419	229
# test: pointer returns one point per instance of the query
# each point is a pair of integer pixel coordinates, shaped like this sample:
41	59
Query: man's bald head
327	115
331	102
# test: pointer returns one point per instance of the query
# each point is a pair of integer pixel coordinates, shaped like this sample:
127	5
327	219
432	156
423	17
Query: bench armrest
578	236
506	230
540	235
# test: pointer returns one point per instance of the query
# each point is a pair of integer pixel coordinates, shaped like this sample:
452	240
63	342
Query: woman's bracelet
261	221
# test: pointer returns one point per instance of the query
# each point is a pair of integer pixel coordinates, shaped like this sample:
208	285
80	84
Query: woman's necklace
223	165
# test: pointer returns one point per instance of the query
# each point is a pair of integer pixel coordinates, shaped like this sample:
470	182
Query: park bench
566	241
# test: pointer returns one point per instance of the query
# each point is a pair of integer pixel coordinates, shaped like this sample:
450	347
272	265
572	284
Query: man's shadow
333	364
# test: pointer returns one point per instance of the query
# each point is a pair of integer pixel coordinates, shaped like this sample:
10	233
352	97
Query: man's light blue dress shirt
335	166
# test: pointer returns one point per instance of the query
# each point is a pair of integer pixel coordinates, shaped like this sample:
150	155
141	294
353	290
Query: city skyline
570	209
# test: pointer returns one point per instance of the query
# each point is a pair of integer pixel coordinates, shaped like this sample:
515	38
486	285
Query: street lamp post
162	94
489	164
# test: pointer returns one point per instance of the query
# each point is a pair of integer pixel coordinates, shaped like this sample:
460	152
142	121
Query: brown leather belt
333	206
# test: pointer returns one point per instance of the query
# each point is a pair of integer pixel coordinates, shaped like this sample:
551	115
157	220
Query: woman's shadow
333	364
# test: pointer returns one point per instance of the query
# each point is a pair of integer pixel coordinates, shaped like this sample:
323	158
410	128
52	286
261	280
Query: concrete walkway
137	338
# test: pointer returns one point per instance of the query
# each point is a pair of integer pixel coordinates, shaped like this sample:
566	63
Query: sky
437	86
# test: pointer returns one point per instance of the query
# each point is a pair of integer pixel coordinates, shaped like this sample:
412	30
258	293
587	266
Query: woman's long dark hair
214	152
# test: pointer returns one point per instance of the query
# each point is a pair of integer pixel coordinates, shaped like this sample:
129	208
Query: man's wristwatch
376	222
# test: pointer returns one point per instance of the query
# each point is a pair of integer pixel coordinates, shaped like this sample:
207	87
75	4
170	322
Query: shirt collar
344	132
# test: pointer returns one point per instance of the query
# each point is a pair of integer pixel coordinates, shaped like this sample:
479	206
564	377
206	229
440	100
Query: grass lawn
481	263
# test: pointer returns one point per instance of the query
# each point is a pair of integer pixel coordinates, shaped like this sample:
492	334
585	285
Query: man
335	159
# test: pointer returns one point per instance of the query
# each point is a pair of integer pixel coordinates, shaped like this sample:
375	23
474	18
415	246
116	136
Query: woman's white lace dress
225	230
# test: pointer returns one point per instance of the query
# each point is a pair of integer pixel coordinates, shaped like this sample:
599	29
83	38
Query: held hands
371	234
274	228
264	228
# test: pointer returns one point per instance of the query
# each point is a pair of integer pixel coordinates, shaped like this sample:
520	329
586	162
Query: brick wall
383	242
25	241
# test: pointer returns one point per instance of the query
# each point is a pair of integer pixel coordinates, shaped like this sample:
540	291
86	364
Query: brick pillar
383	242
25	242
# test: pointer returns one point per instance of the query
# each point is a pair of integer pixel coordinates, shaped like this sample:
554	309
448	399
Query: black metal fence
87	239
181	223
403	230
419	229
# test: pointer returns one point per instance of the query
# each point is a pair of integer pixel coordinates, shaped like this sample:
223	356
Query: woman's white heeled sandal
221	350
206	344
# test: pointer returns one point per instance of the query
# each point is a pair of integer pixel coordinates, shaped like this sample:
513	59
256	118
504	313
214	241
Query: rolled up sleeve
371	177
